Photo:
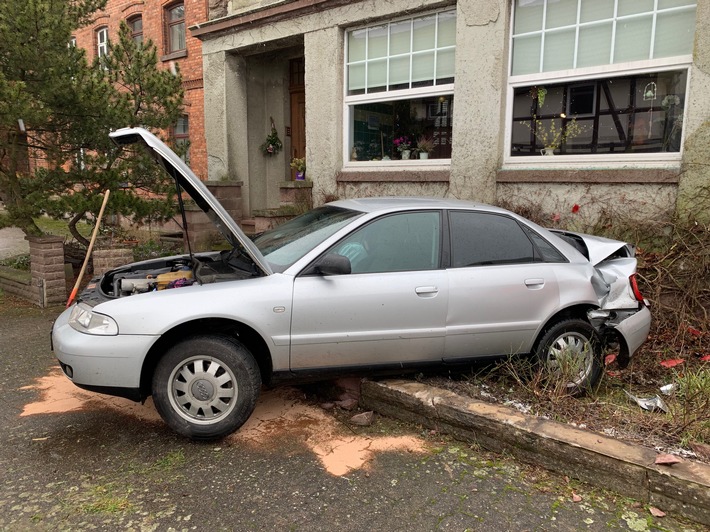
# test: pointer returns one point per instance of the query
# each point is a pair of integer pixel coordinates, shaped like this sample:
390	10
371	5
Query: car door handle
534	284
426	291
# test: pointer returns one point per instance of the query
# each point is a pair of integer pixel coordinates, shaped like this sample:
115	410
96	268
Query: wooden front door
297	89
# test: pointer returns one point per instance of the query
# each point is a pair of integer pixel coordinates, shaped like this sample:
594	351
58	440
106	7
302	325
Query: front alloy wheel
206	387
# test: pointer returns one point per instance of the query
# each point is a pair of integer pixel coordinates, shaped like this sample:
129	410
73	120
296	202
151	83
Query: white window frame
102	45
654	160
349	102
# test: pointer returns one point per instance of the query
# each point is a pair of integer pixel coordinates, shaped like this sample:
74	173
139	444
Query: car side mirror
333	264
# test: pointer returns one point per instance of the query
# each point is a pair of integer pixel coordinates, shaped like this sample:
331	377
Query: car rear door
391	309
501	290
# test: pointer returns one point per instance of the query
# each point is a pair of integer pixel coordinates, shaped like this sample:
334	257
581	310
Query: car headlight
85	320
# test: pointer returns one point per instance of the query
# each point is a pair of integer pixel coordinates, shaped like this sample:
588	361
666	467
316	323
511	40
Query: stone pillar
324	109
694	186
47	269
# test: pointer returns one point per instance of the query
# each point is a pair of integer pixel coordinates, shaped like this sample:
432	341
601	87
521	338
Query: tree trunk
75	232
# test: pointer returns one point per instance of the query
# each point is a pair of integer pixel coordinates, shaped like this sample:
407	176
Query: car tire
206	387
571	348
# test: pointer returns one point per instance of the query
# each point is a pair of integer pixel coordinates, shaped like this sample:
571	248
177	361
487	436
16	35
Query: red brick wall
190	63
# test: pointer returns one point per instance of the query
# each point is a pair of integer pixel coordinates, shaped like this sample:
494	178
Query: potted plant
424	146
403	145
551	137
299	165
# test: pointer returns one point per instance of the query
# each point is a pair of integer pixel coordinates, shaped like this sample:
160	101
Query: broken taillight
635	288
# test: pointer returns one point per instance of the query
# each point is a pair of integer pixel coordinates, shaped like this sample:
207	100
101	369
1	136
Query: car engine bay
169	273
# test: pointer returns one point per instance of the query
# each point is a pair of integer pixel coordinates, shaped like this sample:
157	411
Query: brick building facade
159	21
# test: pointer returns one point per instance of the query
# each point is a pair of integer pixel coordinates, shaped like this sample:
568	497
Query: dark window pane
626	114
384	131
546	250
481	239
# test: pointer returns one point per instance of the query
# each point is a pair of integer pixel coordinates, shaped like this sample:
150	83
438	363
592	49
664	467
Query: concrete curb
683	488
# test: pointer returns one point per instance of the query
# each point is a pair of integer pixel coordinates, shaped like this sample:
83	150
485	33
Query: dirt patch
279	414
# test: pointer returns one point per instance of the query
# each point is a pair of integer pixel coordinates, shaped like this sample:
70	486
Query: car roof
387	204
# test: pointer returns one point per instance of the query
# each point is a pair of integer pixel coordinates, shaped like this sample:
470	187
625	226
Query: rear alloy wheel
206	387
570	351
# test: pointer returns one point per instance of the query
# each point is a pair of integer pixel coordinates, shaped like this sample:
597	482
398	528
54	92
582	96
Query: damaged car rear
370	285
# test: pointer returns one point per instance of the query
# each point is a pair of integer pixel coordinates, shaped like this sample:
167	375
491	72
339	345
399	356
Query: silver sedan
361	285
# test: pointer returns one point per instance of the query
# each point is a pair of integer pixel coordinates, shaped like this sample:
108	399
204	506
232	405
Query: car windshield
285	244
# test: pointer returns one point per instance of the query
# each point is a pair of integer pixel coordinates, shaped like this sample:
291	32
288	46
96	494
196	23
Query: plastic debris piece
669	388
705	358
576	498
609	359
667	459
649	403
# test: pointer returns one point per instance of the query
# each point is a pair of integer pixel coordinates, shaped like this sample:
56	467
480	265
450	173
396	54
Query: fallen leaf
609	359
576	498
694	332
667	459
655	512
575	208
670	363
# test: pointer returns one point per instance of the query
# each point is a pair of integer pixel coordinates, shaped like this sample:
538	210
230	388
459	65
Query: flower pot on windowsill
423	155
300	176
405	154
548	151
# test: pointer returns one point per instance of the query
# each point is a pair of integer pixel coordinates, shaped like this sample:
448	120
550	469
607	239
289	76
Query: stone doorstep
683	489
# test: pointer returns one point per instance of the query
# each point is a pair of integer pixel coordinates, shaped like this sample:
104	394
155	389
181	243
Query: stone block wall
106	259
48	276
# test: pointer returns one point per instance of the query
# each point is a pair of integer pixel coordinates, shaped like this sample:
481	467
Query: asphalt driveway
75	460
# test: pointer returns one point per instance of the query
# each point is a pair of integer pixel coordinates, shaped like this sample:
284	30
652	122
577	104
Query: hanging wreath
272	145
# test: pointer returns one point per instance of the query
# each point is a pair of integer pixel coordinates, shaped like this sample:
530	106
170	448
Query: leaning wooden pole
88	250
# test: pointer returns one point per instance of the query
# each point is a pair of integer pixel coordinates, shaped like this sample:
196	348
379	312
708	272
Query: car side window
399	242
483	239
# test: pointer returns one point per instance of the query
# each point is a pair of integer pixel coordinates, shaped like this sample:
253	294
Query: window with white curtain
399	89
602	76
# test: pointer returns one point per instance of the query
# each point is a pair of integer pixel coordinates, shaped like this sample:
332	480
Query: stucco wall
479	121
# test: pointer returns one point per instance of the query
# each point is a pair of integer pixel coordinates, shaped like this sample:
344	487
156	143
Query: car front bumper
101	363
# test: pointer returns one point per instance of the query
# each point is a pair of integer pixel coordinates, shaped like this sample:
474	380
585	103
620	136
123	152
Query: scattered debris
705	358
655	512
348	404
649	403
576	498
364	419
669	388
667	459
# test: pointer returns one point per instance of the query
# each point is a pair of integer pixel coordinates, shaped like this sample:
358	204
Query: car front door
502	287
391	308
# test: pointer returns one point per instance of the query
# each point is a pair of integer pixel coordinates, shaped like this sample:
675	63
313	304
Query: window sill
627	175
406	171
174	55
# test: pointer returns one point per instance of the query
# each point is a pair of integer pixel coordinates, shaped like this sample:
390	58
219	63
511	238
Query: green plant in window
538	93
550	136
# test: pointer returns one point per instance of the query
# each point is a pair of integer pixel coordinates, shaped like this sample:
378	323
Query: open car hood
195	188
